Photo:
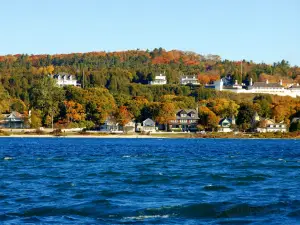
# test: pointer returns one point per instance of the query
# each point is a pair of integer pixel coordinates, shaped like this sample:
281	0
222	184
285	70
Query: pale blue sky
258	30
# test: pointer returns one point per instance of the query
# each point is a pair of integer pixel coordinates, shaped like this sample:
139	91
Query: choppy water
149	181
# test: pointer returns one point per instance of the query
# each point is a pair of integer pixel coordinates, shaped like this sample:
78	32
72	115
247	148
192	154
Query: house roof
188	112
229	120
63	75
148	121
295	120
266	85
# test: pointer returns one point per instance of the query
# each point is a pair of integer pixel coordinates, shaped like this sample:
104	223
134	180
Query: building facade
159	80
186	120
14	120
189	80
64	79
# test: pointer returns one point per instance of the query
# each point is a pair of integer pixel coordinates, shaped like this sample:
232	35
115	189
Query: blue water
149	181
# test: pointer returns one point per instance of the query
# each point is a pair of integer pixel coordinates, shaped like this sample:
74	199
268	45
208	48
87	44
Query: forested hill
116	79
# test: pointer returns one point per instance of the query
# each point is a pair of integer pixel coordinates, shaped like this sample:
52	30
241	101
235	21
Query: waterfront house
64	79
147	125
14	120
226	124
109	125
159	80
269	125
189	80
128	127
186	120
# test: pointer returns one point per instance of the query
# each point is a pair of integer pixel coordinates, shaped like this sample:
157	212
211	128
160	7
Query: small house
14	120
226	124
147	125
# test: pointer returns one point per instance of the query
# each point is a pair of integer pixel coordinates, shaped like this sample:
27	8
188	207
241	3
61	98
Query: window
183	115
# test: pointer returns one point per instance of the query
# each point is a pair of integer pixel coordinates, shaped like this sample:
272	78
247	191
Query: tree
100	104
166	113
46	96
123	116
208	118
245	115
17	105
35	119
74	111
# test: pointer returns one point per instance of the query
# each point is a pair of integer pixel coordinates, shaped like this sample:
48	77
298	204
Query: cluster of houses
186	120
161	79
226	84
258	124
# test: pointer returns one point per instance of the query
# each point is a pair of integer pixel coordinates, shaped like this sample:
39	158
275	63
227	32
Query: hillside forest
116	85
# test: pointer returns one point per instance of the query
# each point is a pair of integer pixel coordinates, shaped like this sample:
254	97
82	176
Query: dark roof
188	112
264	84
63	74
228	119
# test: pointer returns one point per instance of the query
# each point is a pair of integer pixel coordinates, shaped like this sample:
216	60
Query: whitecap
8	158
126	156
142	217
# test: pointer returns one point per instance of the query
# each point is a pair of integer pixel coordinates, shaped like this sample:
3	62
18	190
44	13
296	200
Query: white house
109	125
189	79
267	125
64	79
129	127
259	88
148	125
159	80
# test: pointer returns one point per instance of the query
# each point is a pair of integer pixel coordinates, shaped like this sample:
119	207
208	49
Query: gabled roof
228	120
188	112
295	120
148	122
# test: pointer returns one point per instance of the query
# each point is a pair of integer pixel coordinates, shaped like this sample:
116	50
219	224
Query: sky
259	30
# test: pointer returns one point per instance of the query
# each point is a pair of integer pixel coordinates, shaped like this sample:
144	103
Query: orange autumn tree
166	113
123	116
74	111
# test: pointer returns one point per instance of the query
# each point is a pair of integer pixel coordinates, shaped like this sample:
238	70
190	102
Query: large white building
260	88
189	79
159	80
65	79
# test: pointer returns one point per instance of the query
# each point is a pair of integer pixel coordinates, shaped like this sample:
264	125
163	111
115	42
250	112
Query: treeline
115	86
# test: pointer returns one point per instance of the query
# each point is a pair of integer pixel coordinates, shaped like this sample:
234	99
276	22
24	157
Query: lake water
149	181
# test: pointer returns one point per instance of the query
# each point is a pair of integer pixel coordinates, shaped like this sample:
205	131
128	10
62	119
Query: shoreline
155	136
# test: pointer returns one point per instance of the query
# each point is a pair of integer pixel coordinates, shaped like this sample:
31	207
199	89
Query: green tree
46	96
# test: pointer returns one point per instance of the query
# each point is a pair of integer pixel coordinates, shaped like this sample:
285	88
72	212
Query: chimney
280	81
267	81
251	82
